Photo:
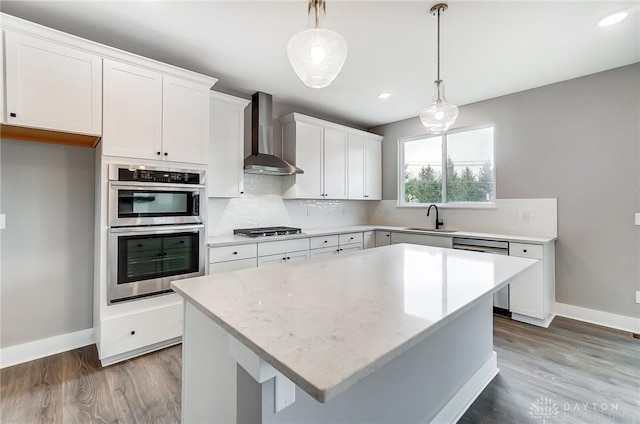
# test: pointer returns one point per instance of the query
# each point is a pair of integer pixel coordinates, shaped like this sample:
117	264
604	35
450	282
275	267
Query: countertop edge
319	232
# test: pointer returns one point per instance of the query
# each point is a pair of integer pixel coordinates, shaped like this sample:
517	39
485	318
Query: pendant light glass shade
317	54
440	114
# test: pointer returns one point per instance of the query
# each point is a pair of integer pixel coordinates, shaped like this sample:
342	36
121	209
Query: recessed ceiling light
384	95
614	18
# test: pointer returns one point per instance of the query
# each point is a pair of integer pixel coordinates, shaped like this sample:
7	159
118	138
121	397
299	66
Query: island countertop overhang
327	323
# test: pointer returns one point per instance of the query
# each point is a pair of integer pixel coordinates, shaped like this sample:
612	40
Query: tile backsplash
262	205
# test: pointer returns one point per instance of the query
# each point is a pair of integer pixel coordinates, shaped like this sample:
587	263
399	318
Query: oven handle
134	185
156	229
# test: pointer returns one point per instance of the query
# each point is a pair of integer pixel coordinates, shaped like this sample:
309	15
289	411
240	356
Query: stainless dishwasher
497	247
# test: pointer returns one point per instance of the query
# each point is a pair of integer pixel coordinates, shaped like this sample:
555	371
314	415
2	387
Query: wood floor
569	373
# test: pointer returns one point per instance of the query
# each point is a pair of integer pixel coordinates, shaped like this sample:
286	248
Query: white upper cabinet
335	164
148	115
365	176
329	154
372	168
226	148
303	146
185	120
52	87
132	111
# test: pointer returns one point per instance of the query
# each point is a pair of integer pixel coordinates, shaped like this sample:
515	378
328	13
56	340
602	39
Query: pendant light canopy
440	114
317	54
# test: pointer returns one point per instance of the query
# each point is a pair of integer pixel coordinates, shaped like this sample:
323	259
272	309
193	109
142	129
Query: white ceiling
489	48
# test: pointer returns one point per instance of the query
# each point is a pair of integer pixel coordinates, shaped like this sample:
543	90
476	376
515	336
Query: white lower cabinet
369	239
124	334
422	239
382	238
532	294
277	252
232	258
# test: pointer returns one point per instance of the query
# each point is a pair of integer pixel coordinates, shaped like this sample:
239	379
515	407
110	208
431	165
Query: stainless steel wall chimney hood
262	160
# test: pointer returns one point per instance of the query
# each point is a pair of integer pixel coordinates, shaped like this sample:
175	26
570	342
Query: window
467	178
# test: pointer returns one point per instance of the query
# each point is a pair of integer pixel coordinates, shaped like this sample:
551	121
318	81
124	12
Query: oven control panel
156	176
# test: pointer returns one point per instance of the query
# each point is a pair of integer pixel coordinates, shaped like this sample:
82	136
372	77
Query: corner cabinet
338	162
52	87
148	115
226	148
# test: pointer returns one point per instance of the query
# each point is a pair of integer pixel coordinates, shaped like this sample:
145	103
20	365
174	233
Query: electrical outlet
638	219
638	296
524	216
513	216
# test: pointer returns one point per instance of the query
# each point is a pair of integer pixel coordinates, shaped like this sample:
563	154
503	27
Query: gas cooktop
267	231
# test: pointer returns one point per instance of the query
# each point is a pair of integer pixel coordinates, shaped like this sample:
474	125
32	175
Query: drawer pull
235	253
326	241
13	115
524	250
351	238
133	333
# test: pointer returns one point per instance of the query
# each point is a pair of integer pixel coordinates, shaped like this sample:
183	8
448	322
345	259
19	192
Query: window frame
445	204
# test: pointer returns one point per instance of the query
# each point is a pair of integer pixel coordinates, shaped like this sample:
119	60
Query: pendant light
440	114
317	54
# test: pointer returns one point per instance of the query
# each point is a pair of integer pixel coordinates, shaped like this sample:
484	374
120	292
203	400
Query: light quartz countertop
217	241
326	323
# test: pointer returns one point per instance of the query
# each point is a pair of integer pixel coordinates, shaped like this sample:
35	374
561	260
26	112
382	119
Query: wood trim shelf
48	136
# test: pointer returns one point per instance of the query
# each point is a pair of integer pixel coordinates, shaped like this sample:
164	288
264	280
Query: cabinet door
356	167
297	256
272	259
132	111
309	158
383	238
226	149
323	252
369	239
185	121
232	265
372	169
335	164
526	291
53	87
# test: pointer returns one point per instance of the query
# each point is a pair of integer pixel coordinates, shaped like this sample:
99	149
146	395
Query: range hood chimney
262	160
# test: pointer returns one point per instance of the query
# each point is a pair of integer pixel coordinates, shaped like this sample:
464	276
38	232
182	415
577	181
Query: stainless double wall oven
156	229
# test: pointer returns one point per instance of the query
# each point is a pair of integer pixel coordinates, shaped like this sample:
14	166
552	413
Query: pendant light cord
438	45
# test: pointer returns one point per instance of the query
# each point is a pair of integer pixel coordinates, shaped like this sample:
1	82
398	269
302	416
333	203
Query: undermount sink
431	230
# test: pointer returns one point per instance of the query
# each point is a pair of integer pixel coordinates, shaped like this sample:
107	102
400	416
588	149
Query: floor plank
576	372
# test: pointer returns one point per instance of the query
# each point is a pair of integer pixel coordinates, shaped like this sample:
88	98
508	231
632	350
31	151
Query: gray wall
47	194
577	141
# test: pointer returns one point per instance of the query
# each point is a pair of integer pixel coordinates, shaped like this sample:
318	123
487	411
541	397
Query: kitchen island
399	333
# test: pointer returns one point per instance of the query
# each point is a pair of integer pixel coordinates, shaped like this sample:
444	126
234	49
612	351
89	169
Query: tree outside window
468	176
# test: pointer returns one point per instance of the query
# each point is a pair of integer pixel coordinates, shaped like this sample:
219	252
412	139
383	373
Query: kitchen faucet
439	222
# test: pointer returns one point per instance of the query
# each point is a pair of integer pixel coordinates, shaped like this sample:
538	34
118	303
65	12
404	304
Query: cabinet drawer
226	266
233	253
276	247
126	333
327	251
533	251
325	241
350	238
344	248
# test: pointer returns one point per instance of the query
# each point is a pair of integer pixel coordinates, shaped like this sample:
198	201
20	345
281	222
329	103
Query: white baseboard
462	400
25	352
605	319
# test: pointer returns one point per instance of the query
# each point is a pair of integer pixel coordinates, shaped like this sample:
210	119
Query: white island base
436	380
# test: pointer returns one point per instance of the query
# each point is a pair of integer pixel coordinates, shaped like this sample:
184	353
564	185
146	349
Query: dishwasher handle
483	249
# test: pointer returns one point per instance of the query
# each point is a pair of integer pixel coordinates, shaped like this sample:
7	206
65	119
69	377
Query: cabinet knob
158	153
235	253
388	235
326	241
339	250
133	333
524	250
242	192
166	154
351	238
13	115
